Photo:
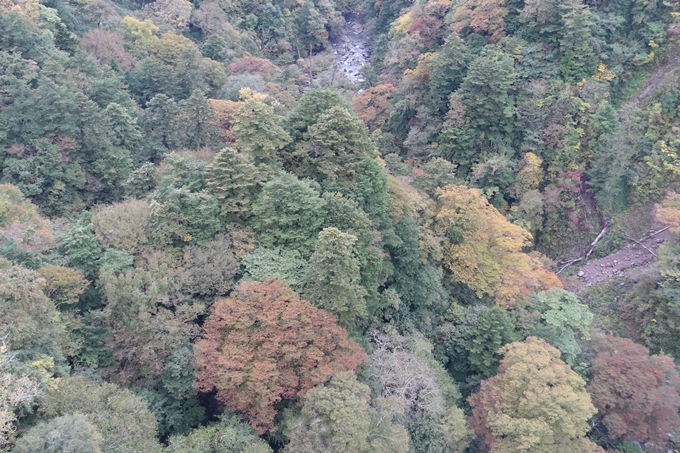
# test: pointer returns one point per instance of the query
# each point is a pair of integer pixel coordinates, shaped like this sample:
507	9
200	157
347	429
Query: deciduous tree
636	394
535	403
337	418
264	344
484	250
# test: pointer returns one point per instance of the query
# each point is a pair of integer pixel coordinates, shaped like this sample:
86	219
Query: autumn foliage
484	249
485	16
264	344
373	105
252	65
636	394
535	403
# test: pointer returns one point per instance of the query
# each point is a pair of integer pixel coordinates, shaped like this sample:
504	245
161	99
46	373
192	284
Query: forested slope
211	240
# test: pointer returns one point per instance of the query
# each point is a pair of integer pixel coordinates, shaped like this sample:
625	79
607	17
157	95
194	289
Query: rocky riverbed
352	50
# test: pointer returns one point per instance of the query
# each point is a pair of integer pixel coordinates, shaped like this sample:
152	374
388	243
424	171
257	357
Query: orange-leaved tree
483	250
481	16
264	344
373	105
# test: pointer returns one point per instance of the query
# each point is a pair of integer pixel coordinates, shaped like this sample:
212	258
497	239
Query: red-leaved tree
636	394
263	344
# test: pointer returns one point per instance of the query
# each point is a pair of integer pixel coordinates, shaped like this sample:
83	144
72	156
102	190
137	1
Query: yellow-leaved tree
483	250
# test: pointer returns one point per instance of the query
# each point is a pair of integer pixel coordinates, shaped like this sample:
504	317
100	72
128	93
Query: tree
535	403
235	181
257	128
63	285
197	122
287	266
15	392
29	318
227	435
209	269
309	109
160	123
333	279
418	283
14	207
122	419
486	17
288	213
578	59
637	395
147	316
495	329
337	418
373	105
484	250
80	248
333	148
264	344
123	226
179	216
563	319
68	433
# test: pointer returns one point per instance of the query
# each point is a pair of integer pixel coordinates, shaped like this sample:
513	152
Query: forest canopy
339	226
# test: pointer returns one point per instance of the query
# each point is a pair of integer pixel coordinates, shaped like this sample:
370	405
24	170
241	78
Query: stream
352	50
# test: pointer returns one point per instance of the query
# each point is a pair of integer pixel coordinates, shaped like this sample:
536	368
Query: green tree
333	279
278	264
72	433
80	248
257	129
197	122
333	148
563	319
309	109
337	418
288	213
418	283
229	435
236	182
160	123
535	403
122	419
578	59
495	329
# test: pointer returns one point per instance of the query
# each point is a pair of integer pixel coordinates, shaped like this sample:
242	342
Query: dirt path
655	79
630	261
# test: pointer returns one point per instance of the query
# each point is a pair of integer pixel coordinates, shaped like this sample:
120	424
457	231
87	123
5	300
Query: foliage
72	433
257	128
534	403
29	318
333	281
277	264
564	319
226	436
235	181
495	329
337	417
241	353
484	250
15	391
122	419
637	395
288	213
